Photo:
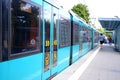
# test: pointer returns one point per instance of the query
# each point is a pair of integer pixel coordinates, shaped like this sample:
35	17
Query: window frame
36	51
0	30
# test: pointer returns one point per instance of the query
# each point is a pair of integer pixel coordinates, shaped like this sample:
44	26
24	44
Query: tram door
50	40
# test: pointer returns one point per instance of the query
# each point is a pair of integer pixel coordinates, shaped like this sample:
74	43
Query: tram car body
81	37
96	35
39	39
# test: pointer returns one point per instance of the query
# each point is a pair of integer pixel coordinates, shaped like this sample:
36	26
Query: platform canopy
109	23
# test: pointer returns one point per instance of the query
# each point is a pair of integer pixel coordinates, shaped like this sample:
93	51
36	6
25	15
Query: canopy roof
109	23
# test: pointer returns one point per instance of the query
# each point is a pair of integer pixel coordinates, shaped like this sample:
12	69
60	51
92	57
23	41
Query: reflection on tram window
24	26
65	31
96	38
76	35
84	35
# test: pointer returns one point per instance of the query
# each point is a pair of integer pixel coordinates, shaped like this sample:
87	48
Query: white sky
97	8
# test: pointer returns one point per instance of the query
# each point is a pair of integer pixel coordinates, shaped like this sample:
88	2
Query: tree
82	11
102	30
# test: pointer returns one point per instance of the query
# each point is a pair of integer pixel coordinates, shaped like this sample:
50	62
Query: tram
39	39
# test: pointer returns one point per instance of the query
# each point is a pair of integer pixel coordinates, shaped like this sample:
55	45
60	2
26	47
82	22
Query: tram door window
54	42
25	27
47	20
51	26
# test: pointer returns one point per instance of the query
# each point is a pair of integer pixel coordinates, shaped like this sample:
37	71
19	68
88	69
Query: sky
97	8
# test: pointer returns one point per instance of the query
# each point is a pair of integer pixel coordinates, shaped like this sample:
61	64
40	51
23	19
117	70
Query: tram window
65	32
75	33
96	37
89	35
84	34
88	32
25	27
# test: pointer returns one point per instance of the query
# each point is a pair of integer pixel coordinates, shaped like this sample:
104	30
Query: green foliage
82	11
102	30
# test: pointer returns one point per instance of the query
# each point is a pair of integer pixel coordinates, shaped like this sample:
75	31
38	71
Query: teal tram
39	39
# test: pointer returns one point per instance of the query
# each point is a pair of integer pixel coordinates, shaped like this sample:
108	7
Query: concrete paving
98	64
105	65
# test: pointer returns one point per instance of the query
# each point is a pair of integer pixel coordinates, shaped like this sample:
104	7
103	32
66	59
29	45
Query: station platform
98	64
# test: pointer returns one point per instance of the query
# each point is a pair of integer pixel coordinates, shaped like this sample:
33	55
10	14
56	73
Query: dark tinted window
25	27
84	35
96	37
89	35
20	28
76	29
65	32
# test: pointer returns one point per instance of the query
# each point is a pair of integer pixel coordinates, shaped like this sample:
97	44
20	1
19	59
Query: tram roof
109	23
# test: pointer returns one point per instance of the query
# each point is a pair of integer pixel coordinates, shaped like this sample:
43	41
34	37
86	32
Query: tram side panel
75	34
22	41
81	37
